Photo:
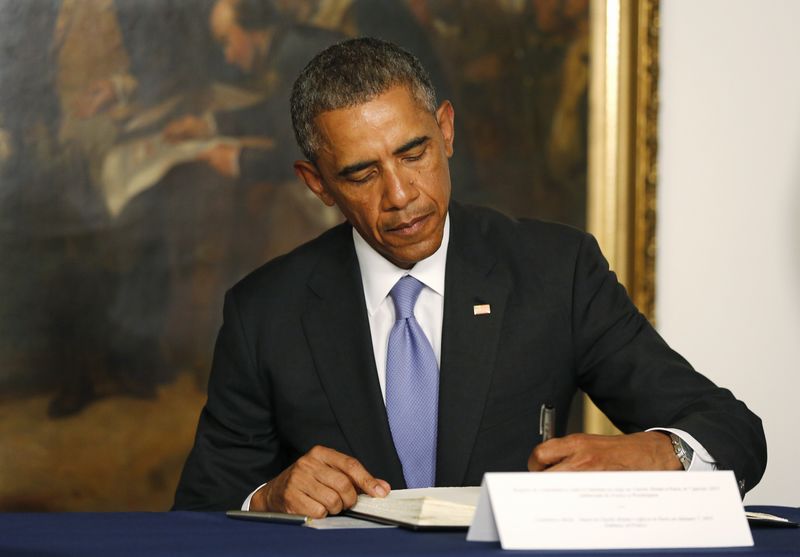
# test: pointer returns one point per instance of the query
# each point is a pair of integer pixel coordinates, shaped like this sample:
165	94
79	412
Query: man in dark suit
513	314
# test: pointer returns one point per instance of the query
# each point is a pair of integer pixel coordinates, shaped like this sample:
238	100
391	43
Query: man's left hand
650	450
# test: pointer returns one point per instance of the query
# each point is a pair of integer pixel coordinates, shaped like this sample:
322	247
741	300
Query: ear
445	116
308	172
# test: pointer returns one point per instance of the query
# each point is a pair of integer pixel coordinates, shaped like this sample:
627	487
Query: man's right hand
319	483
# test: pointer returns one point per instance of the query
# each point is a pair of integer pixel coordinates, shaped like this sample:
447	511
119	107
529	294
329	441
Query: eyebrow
411	144
353	168
407	146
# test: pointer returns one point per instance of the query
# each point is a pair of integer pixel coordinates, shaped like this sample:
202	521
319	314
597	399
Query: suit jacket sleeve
639	382
236	446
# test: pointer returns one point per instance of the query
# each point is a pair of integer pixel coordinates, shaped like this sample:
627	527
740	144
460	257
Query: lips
410	226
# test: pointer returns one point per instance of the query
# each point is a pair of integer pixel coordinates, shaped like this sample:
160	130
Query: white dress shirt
378	277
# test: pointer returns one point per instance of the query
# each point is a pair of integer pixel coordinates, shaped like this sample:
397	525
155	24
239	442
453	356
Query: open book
427	508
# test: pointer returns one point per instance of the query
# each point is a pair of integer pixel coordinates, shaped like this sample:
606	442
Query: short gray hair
350	73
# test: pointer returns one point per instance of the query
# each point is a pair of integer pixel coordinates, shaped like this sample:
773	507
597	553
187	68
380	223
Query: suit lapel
337	330
469	344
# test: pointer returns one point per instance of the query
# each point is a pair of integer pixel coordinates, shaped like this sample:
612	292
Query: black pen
547	422
284	518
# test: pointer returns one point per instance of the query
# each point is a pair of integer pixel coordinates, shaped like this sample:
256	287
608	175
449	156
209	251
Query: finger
301	483
353	469
583	452
534	464
385	485
322	482
299	502
565	465
362	479
337	483
551	452
329	498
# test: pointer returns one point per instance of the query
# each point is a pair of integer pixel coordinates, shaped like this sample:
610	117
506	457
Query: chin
411	257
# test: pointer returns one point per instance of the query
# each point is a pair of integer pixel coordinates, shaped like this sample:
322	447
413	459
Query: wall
728	266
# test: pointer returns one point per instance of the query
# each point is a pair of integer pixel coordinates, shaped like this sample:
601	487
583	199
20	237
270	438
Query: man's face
237	43
384	164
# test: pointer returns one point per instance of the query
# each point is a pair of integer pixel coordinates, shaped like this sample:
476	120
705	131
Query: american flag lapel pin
481	309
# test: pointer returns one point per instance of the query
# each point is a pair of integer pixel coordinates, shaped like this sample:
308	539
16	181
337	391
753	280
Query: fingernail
380	491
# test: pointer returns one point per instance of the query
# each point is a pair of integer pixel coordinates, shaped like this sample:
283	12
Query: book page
134	166
442	506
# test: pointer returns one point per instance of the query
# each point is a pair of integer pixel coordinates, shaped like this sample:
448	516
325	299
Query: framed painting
146	165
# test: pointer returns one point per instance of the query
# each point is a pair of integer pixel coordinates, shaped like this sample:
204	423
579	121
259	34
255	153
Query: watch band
683	451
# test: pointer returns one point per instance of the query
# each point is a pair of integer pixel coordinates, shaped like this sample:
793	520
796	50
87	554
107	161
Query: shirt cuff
246	504
702	461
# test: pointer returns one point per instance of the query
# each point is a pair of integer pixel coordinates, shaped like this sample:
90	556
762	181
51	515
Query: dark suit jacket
294	367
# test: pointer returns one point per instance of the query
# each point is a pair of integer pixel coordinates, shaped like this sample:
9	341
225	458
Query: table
213	534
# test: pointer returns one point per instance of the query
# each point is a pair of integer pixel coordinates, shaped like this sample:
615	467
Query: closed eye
361	180
414	148
411	157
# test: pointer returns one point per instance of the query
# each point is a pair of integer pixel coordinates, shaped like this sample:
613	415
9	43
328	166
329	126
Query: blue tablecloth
213	534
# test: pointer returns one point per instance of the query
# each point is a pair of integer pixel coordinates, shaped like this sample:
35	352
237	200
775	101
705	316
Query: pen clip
547	424
541	418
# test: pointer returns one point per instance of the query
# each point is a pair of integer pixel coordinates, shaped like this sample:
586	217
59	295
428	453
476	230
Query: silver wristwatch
682	450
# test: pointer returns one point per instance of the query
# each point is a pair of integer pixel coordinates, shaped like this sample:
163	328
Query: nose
400	188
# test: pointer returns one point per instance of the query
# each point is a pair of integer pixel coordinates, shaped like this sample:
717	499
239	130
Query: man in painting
50	219
259	41
114	62
415	344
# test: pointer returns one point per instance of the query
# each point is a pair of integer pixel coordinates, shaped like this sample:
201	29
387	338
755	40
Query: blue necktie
412	388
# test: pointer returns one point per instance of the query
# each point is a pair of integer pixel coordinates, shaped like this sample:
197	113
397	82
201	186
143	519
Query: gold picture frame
623	142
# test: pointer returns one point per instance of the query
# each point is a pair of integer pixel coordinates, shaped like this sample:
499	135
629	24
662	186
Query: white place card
610	510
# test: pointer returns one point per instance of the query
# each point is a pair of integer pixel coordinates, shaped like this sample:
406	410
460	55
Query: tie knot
404	295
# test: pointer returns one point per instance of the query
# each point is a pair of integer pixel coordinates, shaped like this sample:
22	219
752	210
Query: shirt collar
379	275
